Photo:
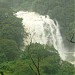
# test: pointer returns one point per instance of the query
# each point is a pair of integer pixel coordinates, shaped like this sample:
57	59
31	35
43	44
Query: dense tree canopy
8	50
11	34
10	26
48	58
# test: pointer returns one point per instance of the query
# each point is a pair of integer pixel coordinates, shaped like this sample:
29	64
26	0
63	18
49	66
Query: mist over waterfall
43	30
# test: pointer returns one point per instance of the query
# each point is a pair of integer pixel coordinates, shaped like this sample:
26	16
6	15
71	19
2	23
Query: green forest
36	59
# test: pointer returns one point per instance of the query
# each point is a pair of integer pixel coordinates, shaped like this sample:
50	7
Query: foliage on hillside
49	62
11	34
36	59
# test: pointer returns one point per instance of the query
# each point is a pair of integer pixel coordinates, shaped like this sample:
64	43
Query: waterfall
42	30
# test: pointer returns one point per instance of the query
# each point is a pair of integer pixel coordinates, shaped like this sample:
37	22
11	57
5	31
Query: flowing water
42	30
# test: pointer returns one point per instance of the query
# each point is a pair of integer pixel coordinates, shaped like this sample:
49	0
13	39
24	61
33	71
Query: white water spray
43	30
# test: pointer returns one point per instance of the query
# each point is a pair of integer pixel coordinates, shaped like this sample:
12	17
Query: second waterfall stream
43	30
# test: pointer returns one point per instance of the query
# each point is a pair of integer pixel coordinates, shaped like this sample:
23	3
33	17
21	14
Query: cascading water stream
43	30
